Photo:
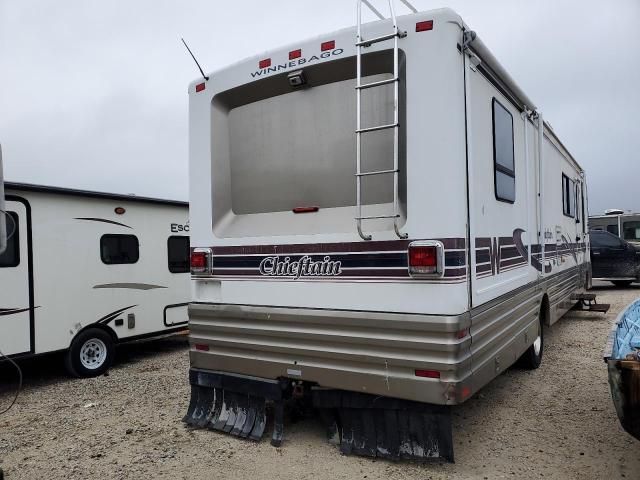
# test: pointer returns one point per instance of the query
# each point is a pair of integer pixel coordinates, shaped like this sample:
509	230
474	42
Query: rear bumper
369	352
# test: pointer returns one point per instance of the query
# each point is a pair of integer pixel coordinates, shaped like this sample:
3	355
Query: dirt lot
556	422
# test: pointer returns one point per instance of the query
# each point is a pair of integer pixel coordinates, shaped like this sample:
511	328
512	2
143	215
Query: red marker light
200	87
328	45
295	54
202	347
305	209
424	26
428	373
266	63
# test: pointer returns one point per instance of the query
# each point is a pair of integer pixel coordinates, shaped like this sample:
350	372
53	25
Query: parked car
614	259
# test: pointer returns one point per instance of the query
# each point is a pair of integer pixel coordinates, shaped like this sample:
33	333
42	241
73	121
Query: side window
503	154
178	254
606	240
613	229
119	249
577	202
11	256
568	196
631	231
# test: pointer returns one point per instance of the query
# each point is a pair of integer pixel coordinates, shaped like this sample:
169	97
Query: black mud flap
374	426
234	404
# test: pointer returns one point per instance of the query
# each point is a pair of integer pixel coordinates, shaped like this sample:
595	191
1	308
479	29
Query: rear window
178	254
119	249
277	147
11	256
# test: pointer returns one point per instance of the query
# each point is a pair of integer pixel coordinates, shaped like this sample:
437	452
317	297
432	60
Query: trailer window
119	249
11	256
178	254
568	196
631	231
503	154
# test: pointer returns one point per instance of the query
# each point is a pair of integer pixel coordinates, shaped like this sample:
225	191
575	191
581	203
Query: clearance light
428	373
295	54
119	210
426	258
200	87
202	347
199	261
266	63
328	45
424	26
462	333
305	209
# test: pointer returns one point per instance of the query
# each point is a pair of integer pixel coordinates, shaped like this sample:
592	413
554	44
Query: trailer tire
622	283
532	358
91	353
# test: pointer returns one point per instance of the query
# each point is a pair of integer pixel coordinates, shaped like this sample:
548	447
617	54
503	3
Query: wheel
90	354
532	358
622	283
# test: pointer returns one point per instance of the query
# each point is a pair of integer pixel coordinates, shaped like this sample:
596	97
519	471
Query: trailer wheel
532	358
622	283
90	354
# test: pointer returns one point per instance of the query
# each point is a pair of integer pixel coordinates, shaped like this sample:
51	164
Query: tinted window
631	230
568	196
604	239
503	154
613	229
11	256
178	254
118	249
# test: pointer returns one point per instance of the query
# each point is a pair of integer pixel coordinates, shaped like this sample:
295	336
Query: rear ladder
361	43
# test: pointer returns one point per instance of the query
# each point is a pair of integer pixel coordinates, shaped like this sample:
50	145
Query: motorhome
85	270
382	220
624	225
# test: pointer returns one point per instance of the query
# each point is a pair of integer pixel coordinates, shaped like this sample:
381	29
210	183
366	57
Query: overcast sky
93	93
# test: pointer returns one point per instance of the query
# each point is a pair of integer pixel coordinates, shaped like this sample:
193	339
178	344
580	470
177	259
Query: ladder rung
376	217
377	172
381	38
376	84
380	127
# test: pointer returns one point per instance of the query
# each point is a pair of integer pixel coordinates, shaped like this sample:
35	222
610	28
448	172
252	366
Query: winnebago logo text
266	67
304	267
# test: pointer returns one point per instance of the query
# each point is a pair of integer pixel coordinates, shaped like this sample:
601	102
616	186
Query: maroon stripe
348	247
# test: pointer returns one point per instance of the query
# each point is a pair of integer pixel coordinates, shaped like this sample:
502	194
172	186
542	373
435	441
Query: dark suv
614	259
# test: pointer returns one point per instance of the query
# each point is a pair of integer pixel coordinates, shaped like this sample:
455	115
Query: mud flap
234	404
374	426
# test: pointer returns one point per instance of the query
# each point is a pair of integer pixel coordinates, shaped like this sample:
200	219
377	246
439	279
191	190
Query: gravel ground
556	422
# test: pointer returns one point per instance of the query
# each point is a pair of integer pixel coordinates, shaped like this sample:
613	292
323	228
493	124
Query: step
379	127
589	297
598	307
376	84
376	172
381	38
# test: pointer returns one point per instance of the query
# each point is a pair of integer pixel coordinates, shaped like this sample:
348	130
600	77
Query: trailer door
16	309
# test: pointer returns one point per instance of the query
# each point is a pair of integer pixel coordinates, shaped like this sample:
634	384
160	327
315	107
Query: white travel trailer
3	224
85	270
379	219
624	225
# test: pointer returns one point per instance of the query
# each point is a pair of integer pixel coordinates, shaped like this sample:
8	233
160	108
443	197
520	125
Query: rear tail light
426	258
200	261
428	373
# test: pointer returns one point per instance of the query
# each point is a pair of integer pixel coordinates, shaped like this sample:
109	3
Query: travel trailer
3	224
381	220
624	225
84	270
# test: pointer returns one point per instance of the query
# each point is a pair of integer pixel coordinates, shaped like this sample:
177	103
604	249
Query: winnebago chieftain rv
85	270
380	221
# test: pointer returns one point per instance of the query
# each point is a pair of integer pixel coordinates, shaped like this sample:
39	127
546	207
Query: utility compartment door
15	299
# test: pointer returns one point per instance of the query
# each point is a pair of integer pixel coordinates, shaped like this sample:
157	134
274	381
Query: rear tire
91	353
532	358
622	283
